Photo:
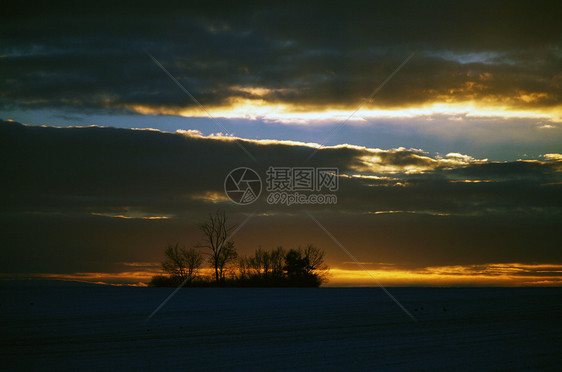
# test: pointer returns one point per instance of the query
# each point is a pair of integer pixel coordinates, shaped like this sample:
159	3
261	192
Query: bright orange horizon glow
501	275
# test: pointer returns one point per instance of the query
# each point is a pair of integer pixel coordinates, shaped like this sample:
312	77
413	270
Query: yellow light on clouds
259	108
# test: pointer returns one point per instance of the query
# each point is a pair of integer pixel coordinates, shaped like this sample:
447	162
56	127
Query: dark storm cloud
79	199
91	56
88	168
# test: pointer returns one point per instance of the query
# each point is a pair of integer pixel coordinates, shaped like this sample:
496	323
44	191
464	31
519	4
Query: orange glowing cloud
290	113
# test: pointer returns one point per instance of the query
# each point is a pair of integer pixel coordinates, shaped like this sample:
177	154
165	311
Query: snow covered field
105	328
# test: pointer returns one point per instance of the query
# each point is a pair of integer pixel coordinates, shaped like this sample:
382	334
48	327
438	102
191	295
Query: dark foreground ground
105	328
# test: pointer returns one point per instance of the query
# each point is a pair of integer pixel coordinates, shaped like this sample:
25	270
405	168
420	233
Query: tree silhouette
277	258
216	232
227	259
306	266
315	261
263	264
181	262
295	264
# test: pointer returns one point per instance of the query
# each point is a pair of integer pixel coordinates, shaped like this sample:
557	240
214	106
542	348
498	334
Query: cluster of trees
301	267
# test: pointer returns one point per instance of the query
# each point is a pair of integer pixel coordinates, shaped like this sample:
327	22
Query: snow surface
105	328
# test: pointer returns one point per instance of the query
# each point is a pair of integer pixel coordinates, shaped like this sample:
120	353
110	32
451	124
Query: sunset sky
450	174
